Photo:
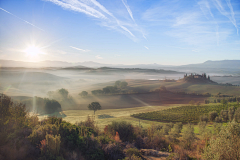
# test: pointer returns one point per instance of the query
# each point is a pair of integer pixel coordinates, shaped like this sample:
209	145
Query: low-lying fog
37	82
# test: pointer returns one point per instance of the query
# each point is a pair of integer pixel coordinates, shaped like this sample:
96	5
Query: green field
183	114
74	116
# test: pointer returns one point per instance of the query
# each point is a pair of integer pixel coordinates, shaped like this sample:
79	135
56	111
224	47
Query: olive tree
212	116
225	145
188	135
94	106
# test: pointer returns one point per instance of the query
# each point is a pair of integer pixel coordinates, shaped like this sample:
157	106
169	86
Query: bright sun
33	51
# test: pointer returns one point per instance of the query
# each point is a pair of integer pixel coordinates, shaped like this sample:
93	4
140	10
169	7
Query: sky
167	32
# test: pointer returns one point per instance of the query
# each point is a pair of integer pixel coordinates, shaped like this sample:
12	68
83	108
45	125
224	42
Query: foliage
188	135
83	94
237	115
224	115
42	105
13	119
113	151
133	151
175	132
204	118
97	92
124	129
64	93
109	89
212	116
94	106
183	113
231	112
123	84
225	145
102	116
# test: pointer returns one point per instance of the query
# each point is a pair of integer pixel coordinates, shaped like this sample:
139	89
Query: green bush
188	135
133	151
124	129
225	145
212	116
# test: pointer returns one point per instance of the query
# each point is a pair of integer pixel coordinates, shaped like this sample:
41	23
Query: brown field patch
137	100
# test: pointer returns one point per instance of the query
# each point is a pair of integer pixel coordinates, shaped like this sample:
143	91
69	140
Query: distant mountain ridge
228	64
216	64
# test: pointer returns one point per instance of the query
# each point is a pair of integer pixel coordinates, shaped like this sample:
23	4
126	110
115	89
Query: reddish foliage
117	138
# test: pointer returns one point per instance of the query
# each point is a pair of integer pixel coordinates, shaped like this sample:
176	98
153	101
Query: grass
74	116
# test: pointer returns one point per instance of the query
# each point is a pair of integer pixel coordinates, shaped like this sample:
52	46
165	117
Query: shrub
231	112
237	115
212	116
124	129
113	152
206	101
53	143
133	151
218	119
202	125
188	135
224	115
226	144
204	118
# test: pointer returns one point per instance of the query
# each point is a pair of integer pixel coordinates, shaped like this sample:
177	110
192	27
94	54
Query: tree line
117	88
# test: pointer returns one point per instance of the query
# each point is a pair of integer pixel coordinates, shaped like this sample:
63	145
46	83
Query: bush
113	152
203	118
212	116
124	129
231	112
202	126
188	135
133	151
218	119
237	115
224	115
226	144
207	101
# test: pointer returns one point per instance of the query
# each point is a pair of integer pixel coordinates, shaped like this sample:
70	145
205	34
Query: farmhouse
197	76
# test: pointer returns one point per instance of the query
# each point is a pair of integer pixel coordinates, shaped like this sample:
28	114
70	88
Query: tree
224	102
83	93
63	92
237	115
225	145
109	89
117	83
224	115
231	112
94	106
188	135
52	106
212	116
97	92
123	84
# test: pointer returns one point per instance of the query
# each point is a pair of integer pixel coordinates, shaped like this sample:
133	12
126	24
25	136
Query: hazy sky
171	32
